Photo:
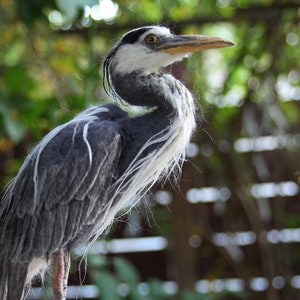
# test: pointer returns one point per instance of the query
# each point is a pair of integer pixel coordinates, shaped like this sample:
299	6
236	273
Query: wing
61	187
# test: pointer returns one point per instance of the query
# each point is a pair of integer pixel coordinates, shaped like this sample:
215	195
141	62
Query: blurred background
230	227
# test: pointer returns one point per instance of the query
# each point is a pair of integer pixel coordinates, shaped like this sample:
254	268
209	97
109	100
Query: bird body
75	181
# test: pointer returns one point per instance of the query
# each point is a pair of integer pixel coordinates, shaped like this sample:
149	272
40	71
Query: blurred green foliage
117	278
50	69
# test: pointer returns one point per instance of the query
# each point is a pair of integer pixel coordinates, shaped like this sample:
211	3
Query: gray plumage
60	193
75	181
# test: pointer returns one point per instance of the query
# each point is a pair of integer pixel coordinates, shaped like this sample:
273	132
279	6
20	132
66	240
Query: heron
73	183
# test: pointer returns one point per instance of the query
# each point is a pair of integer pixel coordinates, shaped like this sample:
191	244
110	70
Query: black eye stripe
132	36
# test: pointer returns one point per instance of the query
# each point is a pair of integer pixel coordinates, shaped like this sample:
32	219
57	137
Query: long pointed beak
181	44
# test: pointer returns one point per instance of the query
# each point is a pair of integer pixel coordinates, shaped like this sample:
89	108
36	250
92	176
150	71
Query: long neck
156	153
156	90
141	90
172	120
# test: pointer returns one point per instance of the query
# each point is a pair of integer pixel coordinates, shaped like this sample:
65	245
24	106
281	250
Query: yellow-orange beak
181	44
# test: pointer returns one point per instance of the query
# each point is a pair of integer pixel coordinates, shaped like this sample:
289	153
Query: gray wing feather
60	189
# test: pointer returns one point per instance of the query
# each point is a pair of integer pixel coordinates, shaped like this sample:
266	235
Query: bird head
144	50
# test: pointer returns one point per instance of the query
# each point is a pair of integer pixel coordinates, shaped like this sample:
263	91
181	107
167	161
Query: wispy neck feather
145	171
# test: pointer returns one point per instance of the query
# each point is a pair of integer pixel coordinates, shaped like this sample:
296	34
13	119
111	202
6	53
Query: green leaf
17	79
29	11
97	261
156	289
126	271
190	295
107	285
135	294
14	128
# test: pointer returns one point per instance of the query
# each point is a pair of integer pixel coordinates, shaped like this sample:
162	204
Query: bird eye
151	39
